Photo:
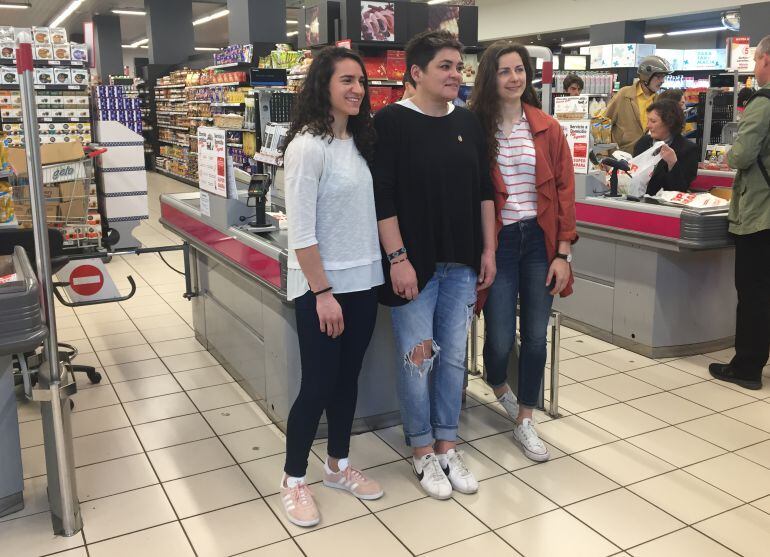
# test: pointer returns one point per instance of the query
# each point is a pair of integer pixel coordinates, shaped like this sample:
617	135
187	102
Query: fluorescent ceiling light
207	48
653	35
695	31
129	12
431	2
66	12
576	43
291	22
292	33
139	43
215	15
14	6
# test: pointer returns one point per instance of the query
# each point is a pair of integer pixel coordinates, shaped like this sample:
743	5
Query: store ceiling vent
732	20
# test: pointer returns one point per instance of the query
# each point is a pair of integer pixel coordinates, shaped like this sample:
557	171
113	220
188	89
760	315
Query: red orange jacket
555	183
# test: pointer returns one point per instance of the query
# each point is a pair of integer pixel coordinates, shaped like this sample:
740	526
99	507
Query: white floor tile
190	458
622	360
168	540
366	450
31	433
209	491
203	377
714	396
159	408
120	340
35	498
586	345
583	369
683	542
193	360
394	436
623	463
33	461
759	453
664	376
126	355
756	414
114	476
356	537
95	397
622	386
670	408
235	418
105	446
219	396
565	480
266	473
148	323
32	536
177	346
174	431
480	421
746	530
234	530
255	443
573	434
488	545
125	513
676	446
623	420
696	365
735	475
556	533
164	333
503	450
98	420
725	432
136	370
148	387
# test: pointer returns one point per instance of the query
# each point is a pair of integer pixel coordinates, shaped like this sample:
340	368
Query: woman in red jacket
535	203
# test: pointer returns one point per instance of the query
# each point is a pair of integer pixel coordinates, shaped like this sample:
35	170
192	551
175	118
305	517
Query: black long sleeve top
681	174
432	173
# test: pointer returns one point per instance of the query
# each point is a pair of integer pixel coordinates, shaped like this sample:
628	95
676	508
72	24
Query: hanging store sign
741	55
212	165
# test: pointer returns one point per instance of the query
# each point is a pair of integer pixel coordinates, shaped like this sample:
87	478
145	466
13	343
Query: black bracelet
392	256
324	291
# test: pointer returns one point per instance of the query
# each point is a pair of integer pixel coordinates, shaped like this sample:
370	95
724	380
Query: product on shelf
234	54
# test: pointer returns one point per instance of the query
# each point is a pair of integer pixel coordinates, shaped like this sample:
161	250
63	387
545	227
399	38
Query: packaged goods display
114	103
234	54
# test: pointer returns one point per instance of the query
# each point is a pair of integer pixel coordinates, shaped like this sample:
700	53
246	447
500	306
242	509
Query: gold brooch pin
460	138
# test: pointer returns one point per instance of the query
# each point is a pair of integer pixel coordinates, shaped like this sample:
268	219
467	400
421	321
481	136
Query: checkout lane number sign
88	281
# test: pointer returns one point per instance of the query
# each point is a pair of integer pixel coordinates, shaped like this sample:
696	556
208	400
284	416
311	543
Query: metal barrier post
62	493
553	409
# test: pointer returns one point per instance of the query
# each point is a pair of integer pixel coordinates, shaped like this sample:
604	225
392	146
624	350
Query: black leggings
330	369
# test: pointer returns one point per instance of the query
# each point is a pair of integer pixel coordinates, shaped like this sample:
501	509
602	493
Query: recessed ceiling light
215	15
207	48
577	43
129	12
13	6
292	33
695	31
653	35
66	12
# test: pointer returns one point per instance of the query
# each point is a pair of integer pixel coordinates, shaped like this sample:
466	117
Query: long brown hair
485	101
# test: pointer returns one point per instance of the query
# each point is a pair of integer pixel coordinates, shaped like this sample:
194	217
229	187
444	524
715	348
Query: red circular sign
86	280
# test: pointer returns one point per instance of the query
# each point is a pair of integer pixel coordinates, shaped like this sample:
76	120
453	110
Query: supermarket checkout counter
241	314
653	278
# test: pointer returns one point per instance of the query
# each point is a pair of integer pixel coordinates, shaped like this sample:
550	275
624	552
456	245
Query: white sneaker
530	443
457	472
432	478
510	404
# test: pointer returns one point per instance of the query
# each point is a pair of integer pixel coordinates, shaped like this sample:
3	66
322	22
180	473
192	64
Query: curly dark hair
485	101
573	79
423	47
312	111
670	113
671	94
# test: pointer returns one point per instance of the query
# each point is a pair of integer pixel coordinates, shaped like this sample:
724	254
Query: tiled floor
651	458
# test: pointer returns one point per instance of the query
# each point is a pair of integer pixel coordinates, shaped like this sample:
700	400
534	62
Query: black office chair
9	238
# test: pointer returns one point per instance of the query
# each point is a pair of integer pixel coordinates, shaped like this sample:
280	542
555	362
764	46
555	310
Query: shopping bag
642	168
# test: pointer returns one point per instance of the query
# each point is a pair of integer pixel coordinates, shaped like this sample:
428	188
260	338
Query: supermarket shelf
53	87
386	82
178	159
173	142
228	65
172	127
228	84
201	118
268	159
47	119
171	112
243	130
296	77
175	86
46	63
235	145
176	176
227	104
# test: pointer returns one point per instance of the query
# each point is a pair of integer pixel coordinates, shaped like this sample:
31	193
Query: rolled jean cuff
493	386
525	405
419	440
444	433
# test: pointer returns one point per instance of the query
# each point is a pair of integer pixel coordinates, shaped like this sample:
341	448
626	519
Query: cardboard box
79	52
58	35
8	75
51	192
8	50
376	67
41	35
71	210
79	77
51	211
61	76
44	76
70	190
395	64
49	154
43	52
23	211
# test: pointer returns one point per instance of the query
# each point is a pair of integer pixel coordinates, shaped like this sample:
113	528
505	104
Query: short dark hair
573	79
744	95
671	114
671	94
423	47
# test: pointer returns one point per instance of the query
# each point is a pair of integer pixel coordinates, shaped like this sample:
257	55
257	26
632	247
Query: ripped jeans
430	395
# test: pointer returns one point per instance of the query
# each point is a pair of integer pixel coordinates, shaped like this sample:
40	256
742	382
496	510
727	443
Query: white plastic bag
642	168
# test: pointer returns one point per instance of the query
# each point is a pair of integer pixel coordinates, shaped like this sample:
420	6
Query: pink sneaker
354	481
299	505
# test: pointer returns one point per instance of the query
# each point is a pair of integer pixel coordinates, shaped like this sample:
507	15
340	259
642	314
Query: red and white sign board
88	281
740	53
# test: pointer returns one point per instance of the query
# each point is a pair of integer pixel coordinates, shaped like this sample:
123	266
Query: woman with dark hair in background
679	156
333	270
676	95
535	227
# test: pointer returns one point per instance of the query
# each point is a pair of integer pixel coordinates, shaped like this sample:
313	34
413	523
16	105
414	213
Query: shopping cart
70	203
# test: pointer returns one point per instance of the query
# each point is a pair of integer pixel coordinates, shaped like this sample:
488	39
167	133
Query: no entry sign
88	280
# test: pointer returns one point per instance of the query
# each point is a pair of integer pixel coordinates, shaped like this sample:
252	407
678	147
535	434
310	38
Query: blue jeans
430	395
522	267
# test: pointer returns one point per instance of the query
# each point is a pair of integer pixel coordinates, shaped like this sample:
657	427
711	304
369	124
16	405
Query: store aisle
652	457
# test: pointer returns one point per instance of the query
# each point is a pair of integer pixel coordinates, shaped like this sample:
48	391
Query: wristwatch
565	256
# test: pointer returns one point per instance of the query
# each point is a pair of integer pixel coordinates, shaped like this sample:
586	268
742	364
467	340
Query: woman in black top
679	164
436	216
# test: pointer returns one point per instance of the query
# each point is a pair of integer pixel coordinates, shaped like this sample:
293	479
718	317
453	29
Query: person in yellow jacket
628	108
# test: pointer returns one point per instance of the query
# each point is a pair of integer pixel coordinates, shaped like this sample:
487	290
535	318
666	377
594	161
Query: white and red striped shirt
516	159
